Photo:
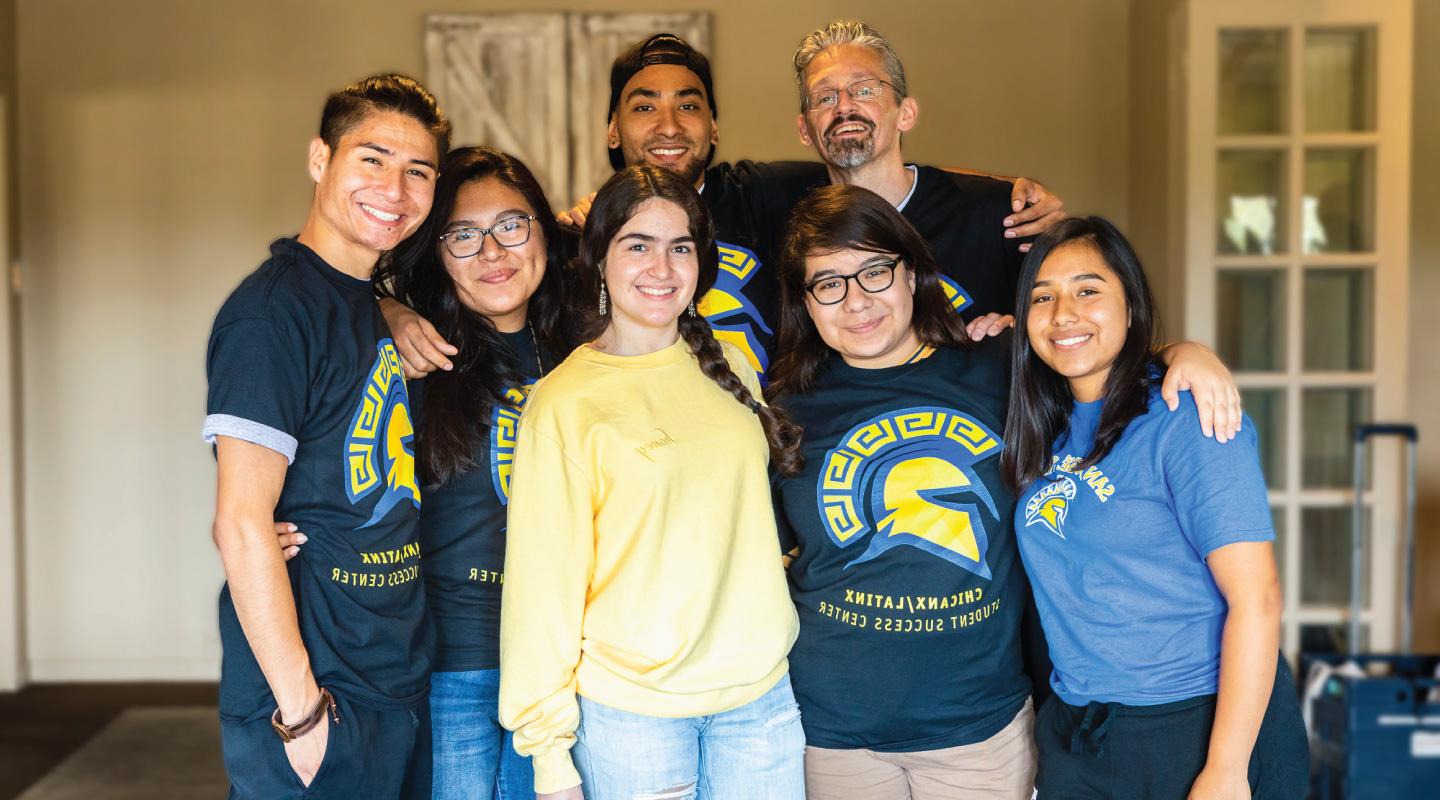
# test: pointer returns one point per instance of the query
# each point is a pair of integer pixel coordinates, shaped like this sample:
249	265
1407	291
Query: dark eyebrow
385	151
641	91
644	237
1084	276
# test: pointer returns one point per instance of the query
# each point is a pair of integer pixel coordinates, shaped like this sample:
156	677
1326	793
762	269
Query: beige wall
161	148
1424	300
1157	153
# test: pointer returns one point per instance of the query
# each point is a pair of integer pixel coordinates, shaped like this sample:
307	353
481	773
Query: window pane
1250	307
1331	638
1339	319
1266	408
1249	188
1328	418
1325	557
1252	81
1338	215
1340	80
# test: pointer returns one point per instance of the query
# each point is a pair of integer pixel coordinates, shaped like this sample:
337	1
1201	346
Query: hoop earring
604	299
691	309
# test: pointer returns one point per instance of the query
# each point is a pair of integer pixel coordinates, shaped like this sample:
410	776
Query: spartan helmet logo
959	300
909	477
730	313
379	451
504	427
1051	505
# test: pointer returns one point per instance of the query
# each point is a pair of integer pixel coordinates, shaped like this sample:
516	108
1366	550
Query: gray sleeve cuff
249	431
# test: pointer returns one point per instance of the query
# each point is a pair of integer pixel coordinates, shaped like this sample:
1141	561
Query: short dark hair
845	217
387	92
662	48
1040	398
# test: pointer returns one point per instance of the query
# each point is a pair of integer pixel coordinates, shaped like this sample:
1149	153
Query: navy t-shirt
961	218
908	585
300	361
750	204
462	530
1116	553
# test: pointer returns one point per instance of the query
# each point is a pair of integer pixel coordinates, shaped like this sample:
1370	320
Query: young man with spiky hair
327	658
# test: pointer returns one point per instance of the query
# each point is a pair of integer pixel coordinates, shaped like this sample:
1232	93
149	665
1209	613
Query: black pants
369	755
1120	752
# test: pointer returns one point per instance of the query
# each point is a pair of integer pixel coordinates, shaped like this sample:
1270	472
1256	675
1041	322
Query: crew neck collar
665	356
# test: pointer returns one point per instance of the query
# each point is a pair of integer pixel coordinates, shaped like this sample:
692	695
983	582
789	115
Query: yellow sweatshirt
642	566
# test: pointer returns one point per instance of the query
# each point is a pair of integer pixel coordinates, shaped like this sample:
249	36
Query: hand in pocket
306	752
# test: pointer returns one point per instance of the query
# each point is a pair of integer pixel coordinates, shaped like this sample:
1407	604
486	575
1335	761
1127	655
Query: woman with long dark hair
908	666
645	619
1149	548
485	267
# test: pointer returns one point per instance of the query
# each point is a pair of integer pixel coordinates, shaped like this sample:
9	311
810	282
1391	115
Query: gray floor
145	753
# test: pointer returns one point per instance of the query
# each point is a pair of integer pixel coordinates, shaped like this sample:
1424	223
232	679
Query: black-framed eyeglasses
866	91
873	278
508	232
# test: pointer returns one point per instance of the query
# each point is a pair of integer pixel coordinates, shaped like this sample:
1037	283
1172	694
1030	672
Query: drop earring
604	299
691	309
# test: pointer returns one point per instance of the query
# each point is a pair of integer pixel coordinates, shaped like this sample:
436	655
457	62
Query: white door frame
1392	21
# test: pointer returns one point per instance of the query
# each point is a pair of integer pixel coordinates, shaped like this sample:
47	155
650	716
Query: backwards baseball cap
662	48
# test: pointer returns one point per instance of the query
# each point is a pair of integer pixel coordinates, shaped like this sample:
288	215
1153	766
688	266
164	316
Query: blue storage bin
1376	738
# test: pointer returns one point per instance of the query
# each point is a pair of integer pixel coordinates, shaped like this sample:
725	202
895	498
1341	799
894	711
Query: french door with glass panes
1297	212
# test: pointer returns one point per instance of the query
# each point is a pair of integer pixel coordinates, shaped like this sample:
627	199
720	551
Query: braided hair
615	203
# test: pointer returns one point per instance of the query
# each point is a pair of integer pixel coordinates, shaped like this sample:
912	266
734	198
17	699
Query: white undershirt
914	181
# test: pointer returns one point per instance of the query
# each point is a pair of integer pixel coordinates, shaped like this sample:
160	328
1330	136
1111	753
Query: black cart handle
1363	432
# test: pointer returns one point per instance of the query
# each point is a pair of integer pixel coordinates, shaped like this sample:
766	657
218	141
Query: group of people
748	490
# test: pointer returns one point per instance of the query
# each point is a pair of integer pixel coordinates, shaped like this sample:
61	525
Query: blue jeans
756	751
473	756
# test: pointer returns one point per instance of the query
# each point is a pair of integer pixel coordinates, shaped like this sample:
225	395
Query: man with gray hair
854	108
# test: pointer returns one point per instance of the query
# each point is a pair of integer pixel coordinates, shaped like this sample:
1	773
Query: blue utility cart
1375	718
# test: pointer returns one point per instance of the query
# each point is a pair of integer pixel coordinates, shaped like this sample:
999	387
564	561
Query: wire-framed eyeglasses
874	277
509	232
866	91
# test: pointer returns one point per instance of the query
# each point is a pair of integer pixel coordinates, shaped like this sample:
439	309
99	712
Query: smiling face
871	330
373	190
498	281
1078	319
651	270
852	133
664	118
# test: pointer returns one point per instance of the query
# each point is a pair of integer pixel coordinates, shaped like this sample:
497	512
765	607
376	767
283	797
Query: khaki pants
999	768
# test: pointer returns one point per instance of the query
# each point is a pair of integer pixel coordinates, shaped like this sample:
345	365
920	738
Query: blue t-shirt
1116	553
300	361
